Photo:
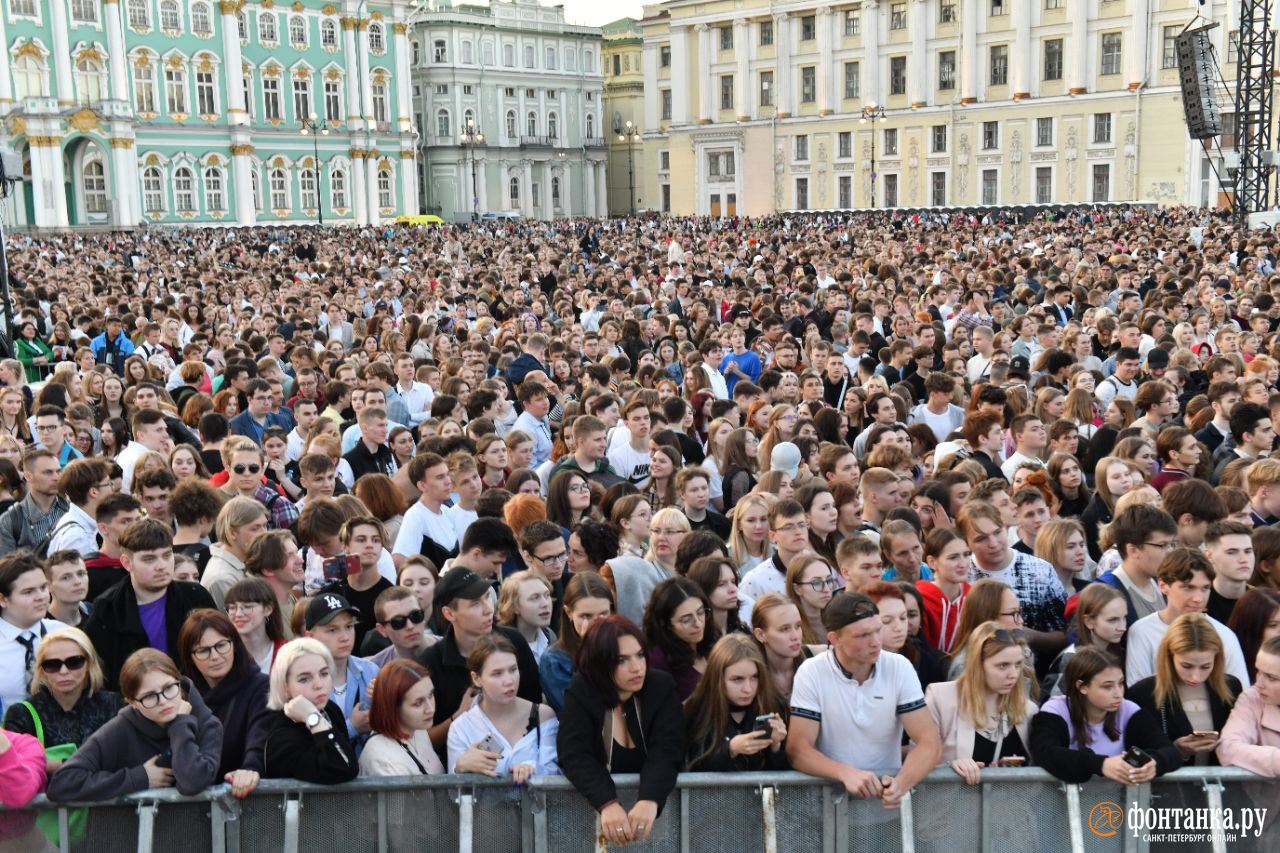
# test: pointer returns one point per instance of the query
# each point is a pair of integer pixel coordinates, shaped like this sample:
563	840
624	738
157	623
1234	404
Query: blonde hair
666	515
81	639
290	652
236	513
1052	538
509	595
987	640
738	551
1190	632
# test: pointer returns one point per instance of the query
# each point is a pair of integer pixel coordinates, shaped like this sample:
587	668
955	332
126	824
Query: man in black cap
465	602
850	705
331	620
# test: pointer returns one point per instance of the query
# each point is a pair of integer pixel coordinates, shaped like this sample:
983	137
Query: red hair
882	589
394	680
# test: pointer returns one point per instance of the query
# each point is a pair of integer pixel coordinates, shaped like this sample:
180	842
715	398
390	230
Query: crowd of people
859	496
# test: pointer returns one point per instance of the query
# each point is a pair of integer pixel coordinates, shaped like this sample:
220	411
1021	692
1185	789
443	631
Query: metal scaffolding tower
1255	58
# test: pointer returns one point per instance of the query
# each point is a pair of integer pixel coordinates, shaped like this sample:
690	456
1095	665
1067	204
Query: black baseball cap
459	583
322	609
846	608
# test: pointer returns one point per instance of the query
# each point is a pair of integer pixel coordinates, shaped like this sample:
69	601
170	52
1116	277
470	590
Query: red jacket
941	617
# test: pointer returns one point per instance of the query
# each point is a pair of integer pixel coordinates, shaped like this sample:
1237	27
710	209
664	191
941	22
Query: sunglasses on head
74	663
253	468
398	623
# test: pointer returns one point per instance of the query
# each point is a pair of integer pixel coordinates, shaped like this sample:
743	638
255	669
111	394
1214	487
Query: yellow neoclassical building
753	106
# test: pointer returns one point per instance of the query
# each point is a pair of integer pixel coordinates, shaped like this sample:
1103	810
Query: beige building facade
623	56
752	107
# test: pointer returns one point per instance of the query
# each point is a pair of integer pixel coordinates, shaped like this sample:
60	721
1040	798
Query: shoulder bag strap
35	719
409	752
607	734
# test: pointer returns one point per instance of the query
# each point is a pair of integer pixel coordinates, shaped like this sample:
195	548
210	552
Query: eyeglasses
552	560
579	488
794	527
1015	615
246	469
47	427
818	584
695	618
219	648
75	663
169	691
243	607
666	531
1163	546
398	623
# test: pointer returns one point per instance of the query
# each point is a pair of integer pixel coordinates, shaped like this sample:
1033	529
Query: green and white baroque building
130	112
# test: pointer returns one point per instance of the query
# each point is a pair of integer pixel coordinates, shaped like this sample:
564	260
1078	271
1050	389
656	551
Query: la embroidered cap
325	606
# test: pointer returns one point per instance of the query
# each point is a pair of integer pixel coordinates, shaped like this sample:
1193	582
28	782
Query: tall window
140	15
377	38
528	56
726	91
1169	46
82	12
845	144
802	146
553	125
898	16
890	190
808	84
301	97
1044	132
28	77
591	126
890	142
938	139
513	191
1053	59
308	193
175	89
466	53
808	27
444	128
947	70
1101	182
511	124
999	65
766	38
201	19
486	56
242	25
152	190
214	198
278	181
95	187
531	124
298	32
726	37
990	135
1111	53
852	80
938	188
802	193
551	58
990	186
267	27
379	92
338	189
1044	184
509	55
89	87
248	95
184	191
144	87
333	100
206	98
385	197
1102	128
328	34
555	192
255	186
271	98
898	75
766	93
170	16
852	22
845	191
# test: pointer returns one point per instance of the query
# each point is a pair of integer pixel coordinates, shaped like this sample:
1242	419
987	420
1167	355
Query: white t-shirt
763	578
630	463
460	519
419	522
858	724
1143	640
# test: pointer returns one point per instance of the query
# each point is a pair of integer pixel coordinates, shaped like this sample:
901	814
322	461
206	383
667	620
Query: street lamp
873	112
313	127
630	135
469	137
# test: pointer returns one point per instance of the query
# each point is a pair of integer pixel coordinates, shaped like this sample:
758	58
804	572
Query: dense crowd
858	496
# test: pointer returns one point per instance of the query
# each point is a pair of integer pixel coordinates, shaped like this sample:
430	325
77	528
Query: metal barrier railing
1022	809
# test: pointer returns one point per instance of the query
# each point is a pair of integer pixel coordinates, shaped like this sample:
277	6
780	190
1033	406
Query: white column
353	73
742	50
403	82
825	104
358	192
48	181
1022	58
871	53
548	204
919	61
504	181
651	96
366	87
241	167
602	190
124	159
705	84
482	184
1078	54
462	202
526	194
371	187
566	189
680	81
589	189
408	181
969	71
61	56
782	77
115	47
1141	47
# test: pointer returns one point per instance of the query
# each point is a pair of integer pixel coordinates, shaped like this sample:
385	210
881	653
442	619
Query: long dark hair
1249	619
581	585
664	600
199	621
1084	666
597	656
705	572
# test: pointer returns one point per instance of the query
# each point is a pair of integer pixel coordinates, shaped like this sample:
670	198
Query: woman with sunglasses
67	703
251	605
164	737
235	689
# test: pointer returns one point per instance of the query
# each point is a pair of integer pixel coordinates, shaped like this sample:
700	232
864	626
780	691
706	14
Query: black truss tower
1255	60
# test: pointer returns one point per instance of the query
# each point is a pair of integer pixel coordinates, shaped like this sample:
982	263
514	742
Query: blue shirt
891	574
748	362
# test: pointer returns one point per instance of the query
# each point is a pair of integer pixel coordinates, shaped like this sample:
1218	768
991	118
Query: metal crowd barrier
1023	810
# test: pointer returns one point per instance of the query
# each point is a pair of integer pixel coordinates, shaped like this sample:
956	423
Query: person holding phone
356	574
164	737
1093	730
984	716
735	719
1191	693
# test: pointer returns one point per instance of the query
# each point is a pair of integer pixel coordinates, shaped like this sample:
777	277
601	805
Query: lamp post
630	135
313	127
469	138
873	112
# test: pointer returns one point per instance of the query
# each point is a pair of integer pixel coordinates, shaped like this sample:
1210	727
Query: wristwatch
313	720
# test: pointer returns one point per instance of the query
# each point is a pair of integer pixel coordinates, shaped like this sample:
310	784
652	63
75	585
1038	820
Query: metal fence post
540	842
769	810
224	815
684	820
1073	818
907	817
466	821
1138	796
292	808
64	831
1213	792
146	826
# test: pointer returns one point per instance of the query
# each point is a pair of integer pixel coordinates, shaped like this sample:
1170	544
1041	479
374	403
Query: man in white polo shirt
850	705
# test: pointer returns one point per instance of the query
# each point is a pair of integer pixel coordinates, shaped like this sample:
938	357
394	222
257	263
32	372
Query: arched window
570	59
201	19
328	34
377	38
385	196
588	61
184	195
279	182
466	53
529	56
378	89
255	185
551	58
555	192
591	126
439	51
443	127
267	27
531	124
28	77
415	52
338	189
468	119
144	86
95	186
511	124
89	81
509	55
513	190
486	53
553	125
170	16
307	189
175	89
214	198
140	14
242	25
153	190
297	32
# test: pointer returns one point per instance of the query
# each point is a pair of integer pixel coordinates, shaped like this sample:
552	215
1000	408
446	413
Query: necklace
341	691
